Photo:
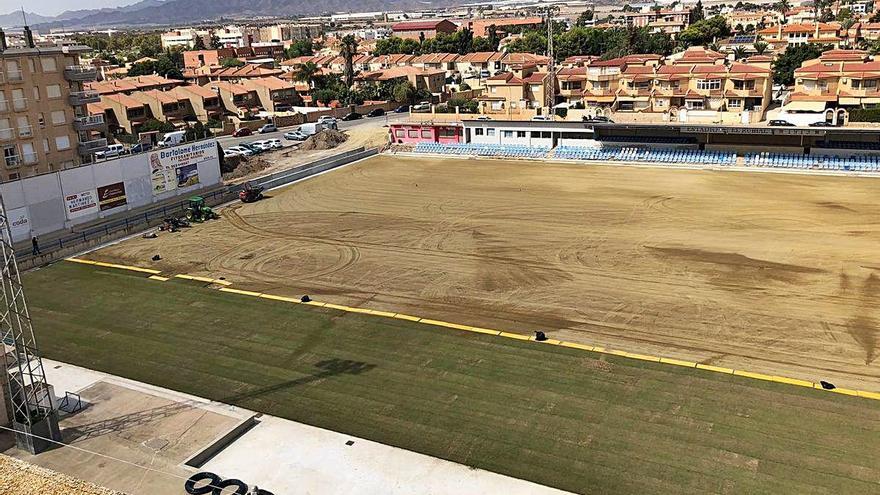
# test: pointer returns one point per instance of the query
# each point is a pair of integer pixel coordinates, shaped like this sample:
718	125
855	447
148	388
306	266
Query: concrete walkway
282	456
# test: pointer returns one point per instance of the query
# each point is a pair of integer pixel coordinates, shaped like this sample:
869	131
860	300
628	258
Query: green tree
782	6
231	62
215	41
199	44
348	52
492	38
306	73
300	48
585	18
395	45
739	53
324	96
760	47
791	59
697	13
404	92
704	32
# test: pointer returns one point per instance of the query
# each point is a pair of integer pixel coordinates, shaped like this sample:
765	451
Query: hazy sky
54	7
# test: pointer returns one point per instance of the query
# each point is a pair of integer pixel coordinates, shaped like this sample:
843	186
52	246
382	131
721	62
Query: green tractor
198	211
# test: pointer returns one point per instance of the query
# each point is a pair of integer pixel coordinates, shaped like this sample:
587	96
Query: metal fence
155	216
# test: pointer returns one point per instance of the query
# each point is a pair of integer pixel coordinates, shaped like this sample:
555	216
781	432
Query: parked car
822	123
227	153
140	148
311	129
543	118
265	145
253	147
483	117
421	107
111	151
172	138
376	112
352	116
275	143
327	120
268	128
295	136
780	123
402	109
598	119
242	150
241	132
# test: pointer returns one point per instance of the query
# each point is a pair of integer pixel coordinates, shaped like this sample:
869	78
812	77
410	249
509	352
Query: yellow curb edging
499	333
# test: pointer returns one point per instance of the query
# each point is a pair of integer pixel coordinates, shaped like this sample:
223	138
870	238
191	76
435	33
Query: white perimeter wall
42	204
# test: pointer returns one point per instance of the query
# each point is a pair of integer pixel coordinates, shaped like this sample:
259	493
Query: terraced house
839	79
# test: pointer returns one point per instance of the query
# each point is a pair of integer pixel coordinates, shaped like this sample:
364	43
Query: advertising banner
80	204
178	167
111	196
19	223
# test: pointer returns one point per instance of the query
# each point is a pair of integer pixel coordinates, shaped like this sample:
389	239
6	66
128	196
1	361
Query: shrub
864	115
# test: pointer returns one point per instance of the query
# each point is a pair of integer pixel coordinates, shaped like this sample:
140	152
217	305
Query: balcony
89	123
88	147
80	73
79	98
25	131
12	161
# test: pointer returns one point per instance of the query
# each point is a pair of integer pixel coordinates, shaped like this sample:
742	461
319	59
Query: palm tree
739	53
348	51
760	47
306	73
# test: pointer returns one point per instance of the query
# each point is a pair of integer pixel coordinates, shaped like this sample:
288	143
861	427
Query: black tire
241	487
264	492
192	489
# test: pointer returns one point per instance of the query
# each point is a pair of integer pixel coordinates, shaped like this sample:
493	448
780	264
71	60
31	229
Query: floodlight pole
29	401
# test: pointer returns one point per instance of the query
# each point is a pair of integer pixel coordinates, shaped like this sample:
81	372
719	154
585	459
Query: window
660	102
478	131
540	134
58	117
708	84
743	85
536	88
490	132
48	64
13	70
497	105
5	130
734	103
45	145
493	89
520	134
62	143
32	66
426	133
28	155
24	127
694	104
36	93
870	84
413	133
53	91
19	102
507	134
10	156
400	133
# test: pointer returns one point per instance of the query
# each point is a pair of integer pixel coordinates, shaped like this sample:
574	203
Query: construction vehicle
198	211
250	193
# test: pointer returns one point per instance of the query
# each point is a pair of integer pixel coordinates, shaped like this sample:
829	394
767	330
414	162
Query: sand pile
324	140
246	166
22	478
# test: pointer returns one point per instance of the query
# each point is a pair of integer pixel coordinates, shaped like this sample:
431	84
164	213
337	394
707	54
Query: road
227	141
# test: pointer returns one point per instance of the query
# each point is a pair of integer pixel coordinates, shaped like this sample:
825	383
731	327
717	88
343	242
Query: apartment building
185	38
205	103
123	113
781	35
44	124
837	79
237	99
482	27
166	106
423	29
522	88
668	21
128	85
756	19
273	94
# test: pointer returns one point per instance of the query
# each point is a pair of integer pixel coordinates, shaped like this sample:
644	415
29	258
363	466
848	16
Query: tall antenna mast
551	64
28	397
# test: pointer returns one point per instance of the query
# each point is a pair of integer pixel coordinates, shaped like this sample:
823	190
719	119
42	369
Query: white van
310	129
112	150
172	138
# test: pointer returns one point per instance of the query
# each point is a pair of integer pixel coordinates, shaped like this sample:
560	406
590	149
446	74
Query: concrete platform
134	437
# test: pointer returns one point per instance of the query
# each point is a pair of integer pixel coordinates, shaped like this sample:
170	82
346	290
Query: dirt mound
246	166
324	140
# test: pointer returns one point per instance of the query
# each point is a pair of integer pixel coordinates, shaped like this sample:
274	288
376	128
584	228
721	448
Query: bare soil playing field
777	273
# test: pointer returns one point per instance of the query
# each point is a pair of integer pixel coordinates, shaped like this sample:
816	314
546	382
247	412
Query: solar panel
744	38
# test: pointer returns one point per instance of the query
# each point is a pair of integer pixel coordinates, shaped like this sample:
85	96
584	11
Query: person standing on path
36	244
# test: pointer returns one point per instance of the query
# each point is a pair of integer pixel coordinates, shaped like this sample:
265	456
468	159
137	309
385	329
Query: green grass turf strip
568	418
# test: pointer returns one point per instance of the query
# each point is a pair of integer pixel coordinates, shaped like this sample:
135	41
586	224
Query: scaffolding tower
28	396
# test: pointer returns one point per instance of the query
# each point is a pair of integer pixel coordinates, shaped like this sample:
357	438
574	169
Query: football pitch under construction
770	273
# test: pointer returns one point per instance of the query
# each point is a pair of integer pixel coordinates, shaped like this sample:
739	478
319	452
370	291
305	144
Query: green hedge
864	115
